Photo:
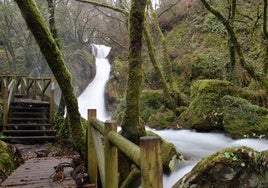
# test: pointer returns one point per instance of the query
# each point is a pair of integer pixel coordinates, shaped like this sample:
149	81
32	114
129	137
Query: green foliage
207	66
212	25
63	131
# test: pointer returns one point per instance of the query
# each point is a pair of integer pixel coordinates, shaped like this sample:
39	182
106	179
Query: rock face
216	105
239	167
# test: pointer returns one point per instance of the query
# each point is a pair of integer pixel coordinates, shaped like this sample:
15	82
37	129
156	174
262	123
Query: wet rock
239	167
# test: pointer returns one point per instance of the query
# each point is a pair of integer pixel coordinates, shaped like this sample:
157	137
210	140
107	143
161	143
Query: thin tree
54	58
55	34
131	125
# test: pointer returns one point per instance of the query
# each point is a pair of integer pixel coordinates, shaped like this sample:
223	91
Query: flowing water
194	146
93	96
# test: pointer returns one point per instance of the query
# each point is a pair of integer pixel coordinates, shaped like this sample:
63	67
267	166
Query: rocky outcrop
239	167
215	105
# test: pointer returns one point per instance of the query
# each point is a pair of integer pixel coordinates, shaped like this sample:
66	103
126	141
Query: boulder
204	112
243	119
239	167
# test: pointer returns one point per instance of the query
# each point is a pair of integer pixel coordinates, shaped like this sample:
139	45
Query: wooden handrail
22	84
147	156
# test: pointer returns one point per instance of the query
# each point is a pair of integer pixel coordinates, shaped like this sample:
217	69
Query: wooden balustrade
103	156
24	85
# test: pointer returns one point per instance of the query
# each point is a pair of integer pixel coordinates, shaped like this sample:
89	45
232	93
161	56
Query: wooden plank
38	172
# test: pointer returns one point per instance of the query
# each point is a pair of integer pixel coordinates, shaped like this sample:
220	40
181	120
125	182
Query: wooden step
28	138
28	131
27	119
28	108
29	125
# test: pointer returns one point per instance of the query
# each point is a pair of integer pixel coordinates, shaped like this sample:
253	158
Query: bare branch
105	5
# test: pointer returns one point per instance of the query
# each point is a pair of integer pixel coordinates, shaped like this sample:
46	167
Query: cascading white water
93	96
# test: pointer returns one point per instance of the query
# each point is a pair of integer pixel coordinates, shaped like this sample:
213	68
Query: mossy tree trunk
265	33
152	53
131	125
54	58
260	78
231	65
55	34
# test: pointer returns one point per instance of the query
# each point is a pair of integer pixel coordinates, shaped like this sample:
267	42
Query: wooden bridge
27	108
28	115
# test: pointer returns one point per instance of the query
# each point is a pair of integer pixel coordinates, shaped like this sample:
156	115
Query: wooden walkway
37	173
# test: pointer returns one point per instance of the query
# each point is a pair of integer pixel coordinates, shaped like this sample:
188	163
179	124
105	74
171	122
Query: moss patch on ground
10	159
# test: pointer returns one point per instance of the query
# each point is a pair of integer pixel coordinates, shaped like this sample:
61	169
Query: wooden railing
103	143
23	85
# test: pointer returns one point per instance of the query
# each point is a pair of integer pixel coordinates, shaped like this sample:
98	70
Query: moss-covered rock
161	120
238	167
204	112
243	119
169	154
10	159
152	109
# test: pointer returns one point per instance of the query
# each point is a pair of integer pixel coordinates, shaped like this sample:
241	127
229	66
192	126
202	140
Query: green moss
162	119
231	167
243	119
9	160
204	112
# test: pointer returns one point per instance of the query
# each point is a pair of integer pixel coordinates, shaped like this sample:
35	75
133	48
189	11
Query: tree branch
105	5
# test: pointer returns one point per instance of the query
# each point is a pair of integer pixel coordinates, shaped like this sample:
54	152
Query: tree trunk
231	65
265	33
54	32
165	87
132	128
54	57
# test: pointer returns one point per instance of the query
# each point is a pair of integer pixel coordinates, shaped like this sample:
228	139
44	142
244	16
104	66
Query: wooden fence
28	87
103	143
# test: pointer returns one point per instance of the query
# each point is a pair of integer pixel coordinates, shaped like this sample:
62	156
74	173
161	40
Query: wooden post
151	162
52	96
5	108
111	157
91	158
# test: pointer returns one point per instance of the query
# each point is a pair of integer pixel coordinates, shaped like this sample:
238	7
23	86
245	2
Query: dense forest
176	64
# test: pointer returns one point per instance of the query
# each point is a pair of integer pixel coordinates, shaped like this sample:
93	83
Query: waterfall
93	96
